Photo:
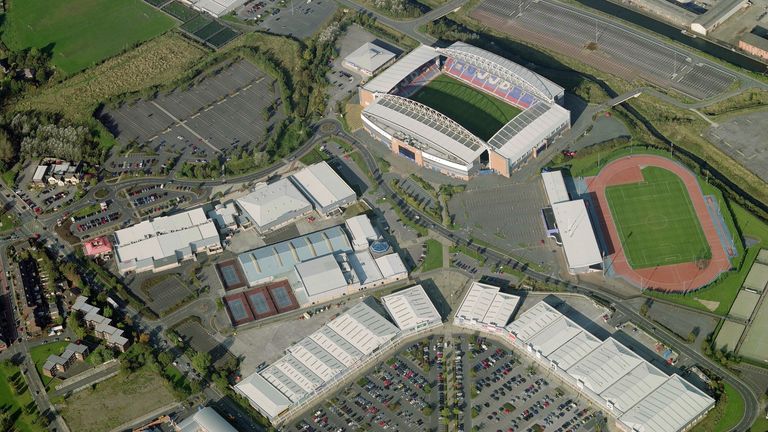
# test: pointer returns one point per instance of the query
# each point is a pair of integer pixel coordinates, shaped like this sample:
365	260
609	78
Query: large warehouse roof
264	263
554	185
268	203
391	265
321	275
322	185
388	79
205	420
528	129
602	367
317	359
361	230
639	394
427	127
577	234
502	67
411	308
486	304
669	408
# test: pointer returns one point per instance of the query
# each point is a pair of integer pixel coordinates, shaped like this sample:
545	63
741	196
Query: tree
7	149
73	322
165	358
201	361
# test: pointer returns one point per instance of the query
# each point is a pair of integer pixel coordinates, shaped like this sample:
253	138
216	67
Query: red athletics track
672	278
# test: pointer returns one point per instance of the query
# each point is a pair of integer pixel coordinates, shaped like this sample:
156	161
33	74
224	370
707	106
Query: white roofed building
324	188
217	8
164	242
554	185
486	307
368	59
274	205
225	216
319	279
326	356
361	231
411	309
205	420
578	237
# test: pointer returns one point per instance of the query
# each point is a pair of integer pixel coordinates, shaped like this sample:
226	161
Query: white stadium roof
554	185
410	308
425	128
269	203
577	234
486	304
369	57
642	397
322	184
669	408
500	66
387	80
529	128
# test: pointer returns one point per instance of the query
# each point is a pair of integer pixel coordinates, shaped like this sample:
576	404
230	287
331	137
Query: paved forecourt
681	276
656	221
480	113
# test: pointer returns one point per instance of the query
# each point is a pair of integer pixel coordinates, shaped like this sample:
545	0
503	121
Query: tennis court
757	278
744	305
729	335
656	221
230	274
755	345
282	295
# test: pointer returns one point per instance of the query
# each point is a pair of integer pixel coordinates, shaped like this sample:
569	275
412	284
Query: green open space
433	258
725	415
116	400
81	33
8	221
15	403
656	221
480	113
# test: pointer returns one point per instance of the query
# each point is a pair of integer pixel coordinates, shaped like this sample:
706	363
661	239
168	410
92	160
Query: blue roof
263	264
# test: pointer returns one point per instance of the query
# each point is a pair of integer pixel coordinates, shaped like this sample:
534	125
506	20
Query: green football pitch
81	33
656	221
480	113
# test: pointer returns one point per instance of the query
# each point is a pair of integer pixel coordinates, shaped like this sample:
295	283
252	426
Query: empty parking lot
223	110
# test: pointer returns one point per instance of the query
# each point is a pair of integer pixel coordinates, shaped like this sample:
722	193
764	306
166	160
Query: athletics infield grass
480	113
656	221
81	33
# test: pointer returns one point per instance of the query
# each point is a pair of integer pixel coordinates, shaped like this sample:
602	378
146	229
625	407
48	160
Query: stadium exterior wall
498	163
366	97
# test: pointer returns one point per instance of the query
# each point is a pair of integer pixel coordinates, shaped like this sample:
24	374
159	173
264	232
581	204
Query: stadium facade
433	140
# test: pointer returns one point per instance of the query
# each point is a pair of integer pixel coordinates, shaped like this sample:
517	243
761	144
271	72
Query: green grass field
434	255
15	403
656	221
81	33
480	113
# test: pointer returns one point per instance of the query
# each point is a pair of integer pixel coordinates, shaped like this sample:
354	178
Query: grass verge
433	258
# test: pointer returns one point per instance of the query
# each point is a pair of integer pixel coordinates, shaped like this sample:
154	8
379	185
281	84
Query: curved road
750	398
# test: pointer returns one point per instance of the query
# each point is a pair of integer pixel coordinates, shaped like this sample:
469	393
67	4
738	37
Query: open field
116	400
481	114
434	255
656	220
156	62
81	33
15	403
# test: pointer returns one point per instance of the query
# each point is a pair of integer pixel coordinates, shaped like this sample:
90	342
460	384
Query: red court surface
670	278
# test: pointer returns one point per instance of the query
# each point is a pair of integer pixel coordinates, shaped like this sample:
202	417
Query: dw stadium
434	140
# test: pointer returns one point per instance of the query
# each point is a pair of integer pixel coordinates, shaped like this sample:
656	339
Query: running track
671	278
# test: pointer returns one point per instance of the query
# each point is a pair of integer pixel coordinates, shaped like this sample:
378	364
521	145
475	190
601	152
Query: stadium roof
410	308
322	184
502	67
369	57
321	275
389	78
487	305
602	367
421	126
264	263
669	408
533	321
554	184
268	203
528	129
205	420
216	8
577	234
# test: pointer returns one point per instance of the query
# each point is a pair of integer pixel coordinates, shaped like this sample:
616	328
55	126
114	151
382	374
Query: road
607	297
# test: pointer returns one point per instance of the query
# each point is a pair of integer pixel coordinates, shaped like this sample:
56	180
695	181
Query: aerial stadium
462	110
